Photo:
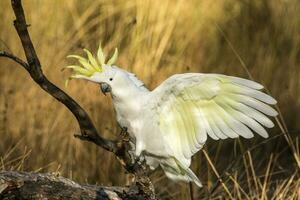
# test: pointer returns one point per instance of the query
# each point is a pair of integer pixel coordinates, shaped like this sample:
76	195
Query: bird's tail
176	171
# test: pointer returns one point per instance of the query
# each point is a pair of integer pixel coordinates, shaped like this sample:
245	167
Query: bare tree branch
88	130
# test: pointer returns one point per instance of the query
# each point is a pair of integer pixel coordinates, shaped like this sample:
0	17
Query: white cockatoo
171	123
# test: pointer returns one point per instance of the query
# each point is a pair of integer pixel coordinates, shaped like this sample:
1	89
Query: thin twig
14	58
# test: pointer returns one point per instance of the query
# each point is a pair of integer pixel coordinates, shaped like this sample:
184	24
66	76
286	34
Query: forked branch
33	66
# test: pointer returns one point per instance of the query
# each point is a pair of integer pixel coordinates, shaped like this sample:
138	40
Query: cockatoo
171	123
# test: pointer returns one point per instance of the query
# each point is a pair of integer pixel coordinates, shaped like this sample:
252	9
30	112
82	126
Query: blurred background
257	39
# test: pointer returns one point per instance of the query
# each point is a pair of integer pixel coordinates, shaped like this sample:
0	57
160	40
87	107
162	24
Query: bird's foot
132	162
124	134
139	161
136	161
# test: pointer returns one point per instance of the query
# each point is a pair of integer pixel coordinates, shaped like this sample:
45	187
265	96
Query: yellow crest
88	66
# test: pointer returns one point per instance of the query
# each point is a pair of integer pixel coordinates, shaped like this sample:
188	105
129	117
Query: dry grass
156	39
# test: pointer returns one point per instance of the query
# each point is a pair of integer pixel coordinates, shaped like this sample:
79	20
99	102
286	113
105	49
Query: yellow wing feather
190	107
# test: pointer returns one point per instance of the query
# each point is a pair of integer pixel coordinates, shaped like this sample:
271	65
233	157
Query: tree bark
36	186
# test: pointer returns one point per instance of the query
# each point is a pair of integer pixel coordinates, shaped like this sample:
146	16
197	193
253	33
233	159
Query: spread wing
188	107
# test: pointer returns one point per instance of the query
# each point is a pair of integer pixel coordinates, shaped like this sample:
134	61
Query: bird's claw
124	134
139	160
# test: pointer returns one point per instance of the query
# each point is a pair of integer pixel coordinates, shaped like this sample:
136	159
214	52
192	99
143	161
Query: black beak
105	88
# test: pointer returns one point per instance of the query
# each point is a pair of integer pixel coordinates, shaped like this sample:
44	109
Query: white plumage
171	123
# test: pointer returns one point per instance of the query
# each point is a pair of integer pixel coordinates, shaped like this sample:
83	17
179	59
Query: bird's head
95	69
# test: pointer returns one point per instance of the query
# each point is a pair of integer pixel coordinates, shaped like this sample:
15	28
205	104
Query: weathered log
24	185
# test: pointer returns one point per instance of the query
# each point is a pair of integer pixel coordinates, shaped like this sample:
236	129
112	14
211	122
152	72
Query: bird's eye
111	79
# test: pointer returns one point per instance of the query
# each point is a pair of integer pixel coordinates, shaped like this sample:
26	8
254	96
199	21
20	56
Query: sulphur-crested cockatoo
171	123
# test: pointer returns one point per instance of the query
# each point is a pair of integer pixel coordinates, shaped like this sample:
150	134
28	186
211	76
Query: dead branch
88	131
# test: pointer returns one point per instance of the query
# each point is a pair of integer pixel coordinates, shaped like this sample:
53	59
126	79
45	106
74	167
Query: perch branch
87	128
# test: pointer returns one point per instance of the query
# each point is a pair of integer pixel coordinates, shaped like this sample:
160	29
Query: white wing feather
188	107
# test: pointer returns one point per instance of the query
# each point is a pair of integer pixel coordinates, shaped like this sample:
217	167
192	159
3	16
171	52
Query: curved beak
105	88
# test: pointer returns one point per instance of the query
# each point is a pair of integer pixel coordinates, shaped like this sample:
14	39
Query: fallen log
24	185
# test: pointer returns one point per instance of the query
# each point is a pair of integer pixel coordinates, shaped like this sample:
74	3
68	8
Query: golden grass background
155	39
